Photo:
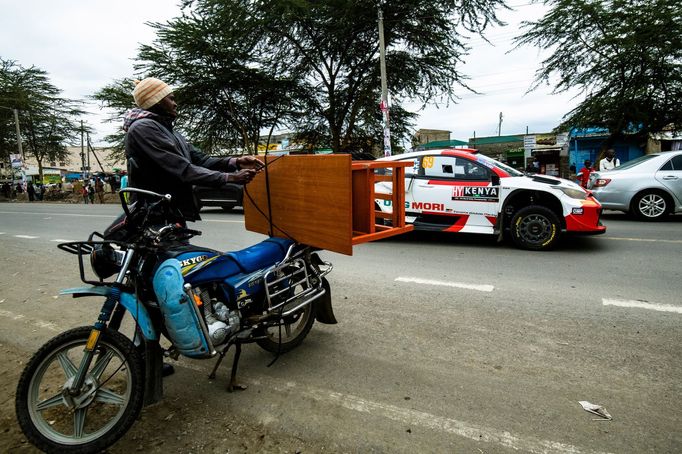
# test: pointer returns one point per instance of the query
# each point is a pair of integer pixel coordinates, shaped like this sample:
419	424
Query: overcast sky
84	45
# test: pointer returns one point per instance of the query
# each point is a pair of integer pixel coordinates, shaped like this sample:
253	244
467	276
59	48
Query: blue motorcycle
84	389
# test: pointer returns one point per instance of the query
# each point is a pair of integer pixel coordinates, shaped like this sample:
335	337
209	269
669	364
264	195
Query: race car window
438	167
471	170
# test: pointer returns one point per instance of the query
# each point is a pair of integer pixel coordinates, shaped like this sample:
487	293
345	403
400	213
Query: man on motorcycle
162	161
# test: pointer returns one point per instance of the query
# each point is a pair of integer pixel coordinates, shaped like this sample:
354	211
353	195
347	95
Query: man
584	174
162	161
610	161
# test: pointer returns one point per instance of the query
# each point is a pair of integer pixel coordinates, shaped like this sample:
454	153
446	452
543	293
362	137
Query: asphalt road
445	343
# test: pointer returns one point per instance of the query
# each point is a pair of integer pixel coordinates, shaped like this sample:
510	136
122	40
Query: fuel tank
239	272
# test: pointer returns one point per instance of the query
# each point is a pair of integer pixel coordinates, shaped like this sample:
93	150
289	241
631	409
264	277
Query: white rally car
460	190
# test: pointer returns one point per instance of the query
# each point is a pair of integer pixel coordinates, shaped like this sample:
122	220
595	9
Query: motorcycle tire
113	393
295	328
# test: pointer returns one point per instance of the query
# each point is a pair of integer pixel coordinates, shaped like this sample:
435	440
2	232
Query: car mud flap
323	306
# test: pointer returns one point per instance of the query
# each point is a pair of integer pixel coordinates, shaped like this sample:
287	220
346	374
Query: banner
17	162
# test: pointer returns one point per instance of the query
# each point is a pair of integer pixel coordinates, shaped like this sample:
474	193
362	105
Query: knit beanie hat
150	91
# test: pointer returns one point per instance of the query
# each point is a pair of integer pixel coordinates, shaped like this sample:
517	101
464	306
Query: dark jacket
162	161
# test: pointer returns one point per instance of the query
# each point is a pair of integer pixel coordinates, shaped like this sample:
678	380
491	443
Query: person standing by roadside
124	184
99	189
91	193
31	191
85	193
610	161
585	172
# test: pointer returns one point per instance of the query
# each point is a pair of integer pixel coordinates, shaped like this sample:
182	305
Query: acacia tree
625	57
48	121
246	66
334	45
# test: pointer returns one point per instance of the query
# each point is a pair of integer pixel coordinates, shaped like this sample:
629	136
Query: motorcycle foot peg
172	353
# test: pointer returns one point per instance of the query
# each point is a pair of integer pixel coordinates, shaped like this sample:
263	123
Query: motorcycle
84	389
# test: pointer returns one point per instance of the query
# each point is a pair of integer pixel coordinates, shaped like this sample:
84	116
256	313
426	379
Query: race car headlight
578	194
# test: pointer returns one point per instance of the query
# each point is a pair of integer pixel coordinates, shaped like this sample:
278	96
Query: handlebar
124	191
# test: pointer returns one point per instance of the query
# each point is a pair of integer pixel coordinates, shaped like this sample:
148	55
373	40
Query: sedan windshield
490	162
635	162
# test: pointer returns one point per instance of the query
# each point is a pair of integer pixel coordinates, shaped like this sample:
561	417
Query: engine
222	323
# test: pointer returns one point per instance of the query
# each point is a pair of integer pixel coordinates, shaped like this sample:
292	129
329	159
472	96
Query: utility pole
384	86
499	126
83	154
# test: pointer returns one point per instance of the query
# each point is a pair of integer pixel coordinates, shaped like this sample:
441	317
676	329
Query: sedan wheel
650	206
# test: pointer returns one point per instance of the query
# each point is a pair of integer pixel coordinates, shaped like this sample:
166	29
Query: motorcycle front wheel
55	420
289	335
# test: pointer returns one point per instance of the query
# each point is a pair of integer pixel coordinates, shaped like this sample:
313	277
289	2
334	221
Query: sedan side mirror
495	179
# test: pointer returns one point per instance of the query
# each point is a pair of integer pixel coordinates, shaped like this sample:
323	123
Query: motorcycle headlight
105	261
578	194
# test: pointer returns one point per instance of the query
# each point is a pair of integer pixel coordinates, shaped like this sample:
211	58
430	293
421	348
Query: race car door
456	192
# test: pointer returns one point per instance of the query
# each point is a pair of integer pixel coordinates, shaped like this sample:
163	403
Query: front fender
128	300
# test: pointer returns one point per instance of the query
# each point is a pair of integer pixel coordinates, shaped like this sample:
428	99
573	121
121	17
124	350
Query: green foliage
334	46
47	121
625	57
242	67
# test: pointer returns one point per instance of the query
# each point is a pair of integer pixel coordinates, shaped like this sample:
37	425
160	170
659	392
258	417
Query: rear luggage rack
84	249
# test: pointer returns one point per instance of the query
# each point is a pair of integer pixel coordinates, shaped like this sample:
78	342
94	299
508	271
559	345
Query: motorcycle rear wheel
110	402
294	329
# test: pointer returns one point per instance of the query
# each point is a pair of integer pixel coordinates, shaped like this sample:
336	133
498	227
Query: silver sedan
650	187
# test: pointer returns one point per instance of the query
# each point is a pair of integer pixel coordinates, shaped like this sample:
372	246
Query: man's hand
242	177
249	162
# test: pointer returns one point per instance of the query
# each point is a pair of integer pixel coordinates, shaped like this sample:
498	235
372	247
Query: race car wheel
650	206
535	228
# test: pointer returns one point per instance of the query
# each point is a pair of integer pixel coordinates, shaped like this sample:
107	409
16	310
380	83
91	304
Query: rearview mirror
495	179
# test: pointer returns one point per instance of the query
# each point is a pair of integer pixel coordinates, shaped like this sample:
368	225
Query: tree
334	44
625	57
47	120
245	66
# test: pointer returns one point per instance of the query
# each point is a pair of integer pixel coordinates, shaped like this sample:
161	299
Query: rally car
461	190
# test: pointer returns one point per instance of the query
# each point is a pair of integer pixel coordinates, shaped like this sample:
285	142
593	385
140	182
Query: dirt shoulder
186	421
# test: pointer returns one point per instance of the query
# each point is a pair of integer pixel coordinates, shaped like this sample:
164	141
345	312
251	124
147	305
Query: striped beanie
150	91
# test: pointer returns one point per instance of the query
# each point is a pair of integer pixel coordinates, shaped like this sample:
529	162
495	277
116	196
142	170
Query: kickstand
234	386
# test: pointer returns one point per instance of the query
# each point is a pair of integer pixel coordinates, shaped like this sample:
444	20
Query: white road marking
413	417
62	214
61	240
645	240
416	280
224	221
38	323
642	305
28	237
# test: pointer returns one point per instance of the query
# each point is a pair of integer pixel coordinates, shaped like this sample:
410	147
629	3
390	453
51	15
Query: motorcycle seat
261	255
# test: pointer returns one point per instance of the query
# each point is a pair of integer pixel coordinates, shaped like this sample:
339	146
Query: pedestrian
99	189
610	161
584	173
85	194
124	184
161	160
41	191
7	190
91	194
31	191
20	189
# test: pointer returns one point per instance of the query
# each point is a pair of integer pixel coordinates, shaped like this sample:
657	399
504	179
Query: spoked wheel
535	228
56	420
294	329
650	206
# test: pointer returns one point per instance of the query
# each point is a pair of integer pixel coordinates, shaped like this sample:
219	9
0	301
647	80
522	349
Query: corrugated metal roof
495	139
442	144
